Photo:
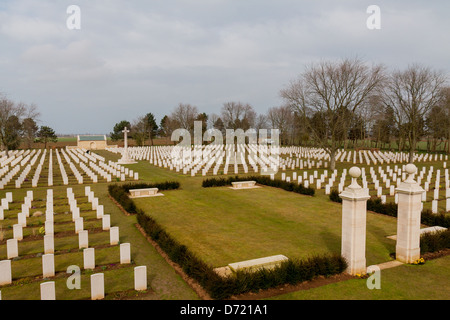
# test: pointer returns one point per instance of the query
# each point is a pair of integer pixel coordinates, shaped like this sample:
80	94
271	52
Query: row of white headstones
93	165
48	266
261	158
388	179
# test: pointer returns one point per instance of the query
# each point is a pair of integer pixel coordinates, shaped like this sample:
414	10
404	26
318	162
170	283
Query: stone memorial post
354	210
408	218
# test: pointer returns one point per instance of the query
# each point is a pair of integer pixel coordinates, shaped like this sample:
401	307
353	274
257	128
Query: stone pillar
354	209
408	218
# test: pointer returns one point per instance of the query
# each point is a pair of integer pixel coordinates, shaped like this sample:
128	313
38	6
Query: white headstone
17	232
22	219
125	253
5	272
97	286
48	265
49	244
114	236
49	227
106	222
79	225
83	239
48	290
100	211
89	258
12	248
140	278
5	204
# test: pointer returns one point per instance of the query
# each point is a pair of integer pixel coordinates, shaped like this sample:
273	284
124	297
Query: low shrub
388	208
167	185
263	180
120	192
121	196
432	242
432	219
334	196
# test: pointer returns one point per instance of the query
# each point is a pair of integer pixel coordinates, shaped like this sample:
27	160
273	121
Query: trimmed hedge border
267	181
289	272
119	192
433	242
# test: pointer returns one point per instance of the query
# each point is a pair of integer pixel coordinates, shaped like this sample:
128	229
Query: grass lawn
222	225
163	282
406	282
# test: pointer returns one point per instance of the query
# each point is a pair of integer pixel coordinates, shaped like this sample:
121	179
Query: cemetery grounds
220	226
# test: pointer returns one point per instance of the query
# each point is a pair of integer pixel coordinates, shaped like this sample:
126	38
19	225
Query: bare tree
445	104
281	118
412	93
184	116
139	130
236	115
328	93
11	117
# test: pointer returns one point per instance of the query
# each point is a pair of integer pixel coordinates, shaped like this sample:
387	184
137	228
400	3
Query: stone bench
423	231
255	264
148	192
243	184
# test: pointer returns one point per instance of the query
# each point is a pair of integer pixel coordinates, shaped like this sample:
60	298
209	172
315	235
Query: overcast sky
134	57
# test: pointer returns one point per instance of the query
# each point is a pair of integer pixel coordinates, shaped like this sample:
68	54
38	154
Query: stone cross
125	131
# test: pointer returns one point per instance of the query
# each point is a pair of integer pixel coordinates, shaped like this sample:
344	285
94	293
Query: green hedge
120	192
334	196
432	242
121	196
167	185
289	272
263	180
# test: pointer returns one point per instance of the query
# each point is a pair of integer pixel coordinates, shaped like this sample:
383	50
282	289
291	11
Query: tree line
333	105
18	124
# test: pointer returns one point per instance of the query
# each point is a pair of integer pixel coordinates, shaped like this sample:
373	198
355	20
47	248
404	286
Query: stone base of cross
126	159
